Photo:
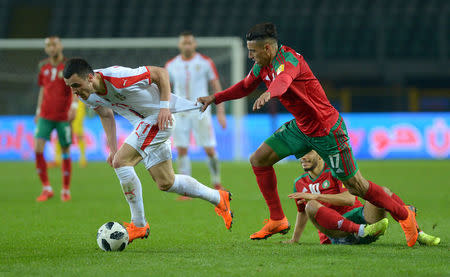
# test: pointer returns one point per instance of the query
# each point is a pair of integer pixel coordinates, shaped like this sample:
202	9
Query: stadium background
384	64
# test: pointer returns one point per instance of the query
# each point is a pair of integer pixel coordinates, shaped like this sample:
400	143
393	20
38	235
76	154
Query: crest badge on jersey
280	69
60	74
326	184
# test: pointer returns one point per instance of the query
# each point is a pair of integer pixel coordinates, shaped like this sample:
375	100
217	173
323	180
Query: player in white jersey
190	73
141	95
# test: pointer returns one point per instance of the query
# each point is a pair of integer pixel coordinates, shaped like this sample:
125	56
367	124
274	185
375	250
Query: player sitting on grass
339	216
142	96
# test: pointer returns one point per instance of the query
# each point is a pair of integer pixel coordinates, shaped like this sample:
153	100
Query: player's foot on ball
218	186
45	195
65	196
223	209
272	227
429	240
183	198
135	232
377	229
409	226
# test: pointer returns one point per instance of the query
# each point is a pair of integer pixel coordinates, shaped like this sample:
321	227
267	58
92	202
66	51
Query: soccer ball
112	236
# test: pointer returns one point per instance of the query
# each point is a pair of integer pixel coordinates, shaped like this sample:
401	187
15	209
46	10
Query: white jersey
130	93
190	78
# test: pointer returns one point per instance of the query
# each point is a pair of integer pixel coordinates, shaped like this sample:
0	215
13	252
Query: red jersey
290	79
325	183
57	96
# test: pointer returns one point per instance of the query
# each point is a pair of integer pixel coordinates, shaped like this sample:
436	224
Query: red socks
332	220
267	182
377	196
41	167
397	199
66	172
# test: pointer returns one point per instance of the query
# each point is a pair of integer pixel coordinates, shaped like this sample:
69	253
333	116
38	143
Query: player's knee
255	160
311	208
116	163
387	190
356	186
164	185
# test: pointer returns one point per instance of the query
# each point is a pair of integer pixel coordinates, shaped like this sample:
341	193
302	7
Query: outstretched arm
109	125
160	77
300	225
239	90
339	199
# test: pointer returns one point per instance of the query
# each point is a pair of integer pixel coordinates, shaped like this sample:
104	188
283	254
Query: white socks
214	169
188	186
361	230
132	189
184	165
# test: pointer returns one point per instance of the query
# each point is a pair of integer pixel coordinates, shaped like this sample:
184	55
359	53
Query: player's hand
262	99
206	101
291	241
222	120
164	119
302	197
110	158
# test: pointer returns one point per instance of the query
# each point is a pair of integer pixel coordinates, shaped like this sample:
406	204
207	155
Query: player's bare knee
311	208
255	160
164	185
356	186
387	190
116	163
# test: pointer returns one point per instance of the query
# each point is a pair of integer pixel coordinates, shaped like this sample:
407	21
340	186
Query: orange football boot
223	209
409	226
135	232
45	195
272	227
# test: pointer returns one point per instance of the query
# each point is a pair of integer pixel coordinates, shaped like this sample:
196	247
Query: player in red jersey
317	125
54	111
339	216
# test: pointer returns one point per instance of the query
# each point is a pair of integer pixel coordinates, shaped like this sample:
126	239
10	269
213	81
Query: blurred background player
190	73
55	110
78	130
142	96
316	125
339	216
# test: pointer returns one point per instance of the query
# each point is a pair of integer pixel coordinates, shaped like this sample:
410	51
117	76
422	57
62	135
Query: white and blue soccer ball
112	236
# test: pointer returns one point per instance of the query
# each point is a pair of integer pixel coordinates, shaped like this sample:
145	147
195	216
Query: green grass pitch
188	239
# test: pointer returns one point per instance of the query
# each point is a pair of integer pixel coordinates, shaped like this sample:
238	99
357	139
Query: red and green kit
316	125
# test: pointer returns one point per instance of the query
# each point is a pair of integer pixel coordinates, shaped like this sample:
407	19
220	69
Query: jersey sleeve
300	207
242	88
212	70
40	80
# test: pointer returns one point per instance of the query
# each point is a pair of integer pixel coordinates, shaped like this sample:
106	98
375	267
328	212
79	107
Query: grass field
187	238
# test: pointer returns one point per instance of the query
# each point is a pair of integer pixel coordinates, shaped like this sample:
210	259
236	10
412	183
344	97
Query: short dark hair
186	33
262	31
77	66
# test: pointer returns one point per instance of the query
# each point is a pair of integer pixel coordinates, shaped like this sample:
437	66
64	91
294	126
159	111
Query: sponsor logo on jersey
326	184
46	72
280	69
60	74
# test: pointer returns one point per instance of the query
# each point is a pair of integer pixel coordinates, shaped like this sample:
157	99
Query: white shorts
151	143
202	129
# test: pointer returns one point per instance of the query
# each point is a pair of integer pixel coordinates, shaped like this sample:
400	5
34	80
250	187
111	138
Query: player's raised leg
166	180
124	161
262	161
